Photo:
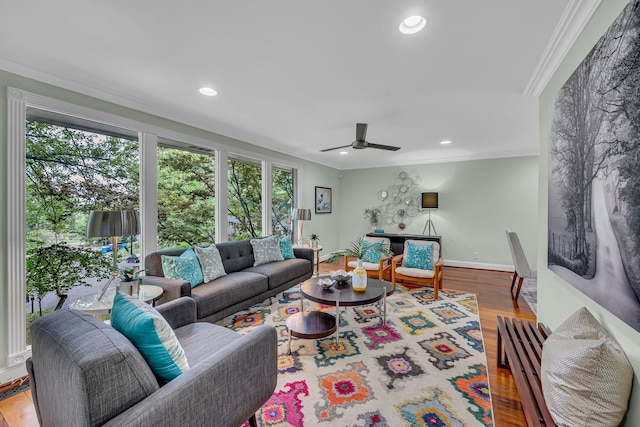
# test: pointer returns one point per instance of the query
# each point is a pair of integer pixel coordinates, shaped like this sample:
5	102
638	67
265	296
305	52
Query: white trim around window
17	102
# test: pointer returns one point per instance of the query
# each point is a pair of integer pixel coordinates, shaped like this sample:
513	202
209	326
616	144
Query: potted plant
357	250
314	240
373	215
127	277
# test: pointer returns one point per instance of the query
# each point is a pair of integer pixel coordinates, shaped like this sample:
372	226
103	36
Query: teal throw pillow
185	267
373	251
266	250
151	334
419	256
286	248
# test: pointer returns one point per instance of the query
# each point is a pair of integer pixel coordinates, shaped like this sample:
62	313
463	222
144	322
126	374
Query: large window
71	168
186	197
281	200
245	199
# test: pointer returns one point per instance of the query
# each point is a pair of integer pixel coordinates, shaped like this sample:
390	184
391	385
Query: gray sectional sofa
243	286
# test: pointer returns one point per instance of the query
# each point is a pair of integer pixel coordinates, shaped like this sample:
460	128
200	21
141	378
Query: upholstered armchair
419	264
376	270
85	373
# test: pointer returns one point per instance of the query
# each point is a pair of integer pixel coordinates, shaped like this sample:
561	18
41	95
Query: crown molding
573	20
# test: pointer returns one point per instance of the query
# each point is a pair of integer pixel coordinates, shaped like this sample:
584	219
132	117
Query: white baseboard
7	375
478	265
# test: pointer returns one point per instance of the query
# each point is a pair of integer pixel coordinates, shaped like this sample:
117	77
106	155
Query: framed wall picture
323	200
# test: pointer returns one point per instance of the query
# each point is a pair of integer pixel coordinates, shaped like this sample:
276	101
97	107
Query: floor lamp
112	224
301	215
429	201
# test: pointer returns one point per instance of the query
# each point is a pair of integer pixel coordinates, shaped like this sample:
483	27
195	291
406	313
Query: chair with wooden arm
380	270
403	272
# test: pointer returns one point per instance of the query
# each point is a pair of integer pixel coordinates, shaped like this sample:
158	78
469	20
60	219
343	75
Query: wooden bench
520	350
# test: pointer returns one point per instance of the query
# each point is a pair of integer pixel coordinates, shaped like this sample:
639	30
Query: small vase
359	279
314	244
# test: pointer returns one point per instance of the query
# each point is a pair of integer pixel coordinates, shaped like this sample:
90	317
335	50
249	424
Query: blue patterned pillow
419	256
185	267
286	249
373	251
151	334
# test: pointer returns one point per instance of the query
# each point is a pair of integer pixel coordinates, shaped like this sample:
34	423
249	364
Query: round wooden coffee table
318	324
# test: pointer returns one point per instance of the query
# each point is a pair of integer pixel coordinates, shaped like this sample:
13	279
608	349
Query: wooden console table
397	240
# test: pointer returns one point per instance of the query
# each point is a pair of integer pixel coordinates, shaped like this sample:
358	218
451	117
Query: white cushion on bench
586	377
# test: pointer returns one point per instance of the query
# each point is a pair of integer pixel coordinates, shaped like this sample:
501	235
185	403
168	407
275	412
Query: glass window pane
69	172
282	201
186	198
245	200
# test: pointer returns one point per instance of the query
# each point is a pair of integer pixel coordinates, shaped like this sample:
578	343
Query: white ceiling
295	76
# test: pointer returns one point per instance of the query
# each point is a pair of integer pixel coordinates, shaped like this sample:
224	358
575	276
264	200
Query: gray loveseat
243	286
85	373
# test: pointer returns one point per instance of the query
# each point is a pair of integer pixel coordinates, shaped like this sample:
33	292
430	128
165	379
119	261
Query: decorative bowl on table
326	283
341	277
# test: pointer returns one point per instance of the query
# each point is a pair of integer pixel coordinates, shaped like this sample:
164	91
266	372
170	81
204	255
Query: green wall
557	300
477	200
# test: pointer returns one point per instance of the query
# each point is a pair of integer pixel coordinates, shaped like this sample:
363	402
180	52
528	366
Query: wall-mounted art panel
594	172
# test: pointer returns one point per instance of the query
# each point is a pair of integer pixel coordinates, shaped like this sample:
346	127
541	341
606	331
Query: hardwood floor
492	290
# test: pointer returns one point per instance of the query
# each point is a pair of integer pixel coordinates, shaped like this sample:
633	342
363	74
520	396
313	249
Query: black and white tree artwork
594	172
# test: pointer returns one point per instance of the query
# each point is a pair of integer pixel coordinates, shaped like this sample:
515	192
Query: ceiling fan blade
382	147
361	131
335	148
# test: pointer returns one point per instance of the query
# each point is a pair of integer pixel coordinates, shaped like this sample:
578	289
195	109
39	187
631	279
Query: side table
90	304
316	256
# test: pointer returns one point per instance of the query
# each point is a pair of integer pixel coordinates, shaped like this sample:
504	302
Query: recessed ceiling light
208	91
344	152
445	142
412	24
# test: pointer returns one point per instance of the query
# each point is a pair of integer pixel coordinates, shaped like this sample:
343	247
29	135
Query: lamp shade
301	214
112	223
429	200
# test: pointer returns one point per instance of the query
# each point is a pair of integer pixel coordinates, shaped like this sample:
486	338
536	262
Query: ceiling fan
361	142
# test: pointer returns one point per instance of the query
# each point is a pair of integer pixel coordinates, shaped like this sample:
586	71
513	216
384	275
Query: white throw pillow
586	377
266	250
210	262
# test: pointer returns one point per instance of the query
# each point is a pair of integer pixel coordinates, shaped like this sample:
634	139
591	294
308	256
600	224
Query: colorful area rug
426	368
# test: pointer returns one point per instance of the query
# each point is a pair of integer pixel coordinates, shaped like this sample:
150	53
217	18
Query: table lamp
429	201
301	215
112	224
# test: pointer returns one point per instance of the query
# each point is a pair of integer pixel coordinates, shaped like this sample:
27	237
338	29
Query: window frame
18	100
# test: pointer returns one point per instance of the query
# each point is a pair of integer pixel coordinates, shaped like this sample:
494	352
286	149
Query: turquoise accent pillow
419	256
286	248
185	267
373	251
151	334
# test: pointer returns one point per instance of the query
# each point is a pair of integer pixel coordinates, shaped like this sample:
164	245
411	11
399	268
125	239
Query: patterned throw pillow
419	256
151	334
286	249
185	267
210	262
266	250
373	251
